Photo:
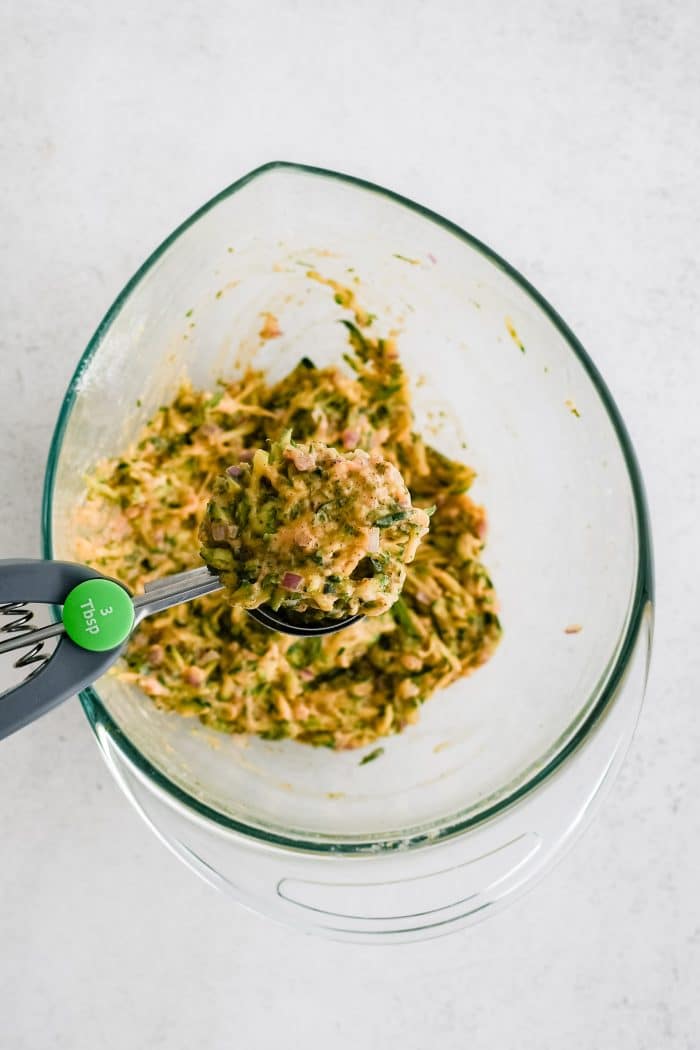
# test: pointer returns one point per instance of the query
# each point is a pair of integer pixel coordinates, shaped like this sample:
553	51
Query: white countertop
565	135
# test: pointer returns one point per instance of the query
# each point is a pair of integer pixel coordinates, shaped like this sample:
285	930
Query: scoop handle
70	668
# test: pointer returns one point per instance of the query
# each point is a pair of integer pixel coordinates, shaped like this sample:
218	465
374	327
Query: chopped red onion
234	471
246	455
291	581
350	438
195	676
301	459
306	673
218	531
373	541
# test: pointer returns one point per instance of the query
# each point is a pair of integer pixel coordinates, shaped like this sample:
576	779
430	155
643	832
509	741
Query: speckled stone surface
568	137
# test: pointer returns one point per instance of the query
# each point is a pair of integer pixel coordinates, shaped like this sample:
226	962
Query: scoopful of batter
320	533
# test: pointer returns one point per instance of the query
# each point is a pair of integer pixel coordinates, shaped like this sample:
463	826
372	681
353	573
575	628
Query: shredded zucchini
209	659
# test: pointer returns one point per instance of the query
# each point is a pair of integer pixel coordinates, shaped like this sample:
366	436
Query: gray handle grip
70	668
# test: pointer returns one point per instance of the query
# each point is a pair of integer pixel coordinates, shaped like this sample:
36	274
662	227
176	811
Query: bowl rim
97	714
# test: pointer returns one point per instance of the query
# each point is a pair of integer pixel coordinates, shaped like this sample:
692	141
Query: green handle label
98	615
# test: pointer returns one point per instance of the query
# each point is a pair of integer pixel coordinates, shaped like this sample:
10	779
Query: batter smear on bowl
209	659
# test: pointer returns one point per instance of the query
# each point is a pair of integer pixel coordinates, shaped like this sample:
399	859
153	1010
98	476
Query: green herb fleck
357	339
391	519
402	617
377	753
214	399
384	392
305	652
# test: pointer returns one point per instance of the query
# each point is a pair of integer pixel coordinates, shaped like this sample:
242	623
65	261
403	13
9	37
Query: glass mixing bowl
470	804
